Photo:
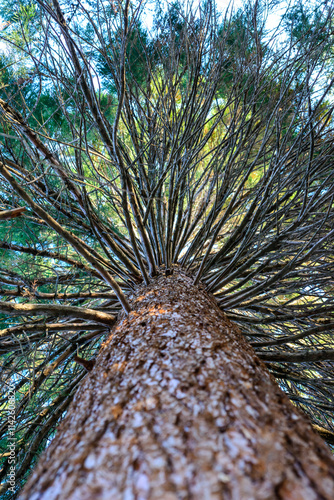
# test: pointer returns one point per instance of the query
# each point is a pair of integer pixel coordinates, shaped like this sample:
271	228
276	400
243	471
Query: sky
273	18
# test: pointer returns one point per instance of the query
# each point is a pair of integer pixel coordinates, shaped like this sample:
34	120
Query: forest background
144	137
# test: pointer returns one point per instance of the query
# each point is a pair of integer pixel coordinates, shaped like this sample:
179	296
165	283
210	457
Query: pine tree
167	251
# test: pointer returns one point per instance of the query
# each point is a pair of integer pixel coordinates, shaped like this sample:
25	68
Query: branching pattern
206	143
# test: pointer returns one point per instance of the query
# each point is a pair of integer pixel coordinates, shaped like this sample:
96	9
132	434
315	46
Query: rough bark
178	406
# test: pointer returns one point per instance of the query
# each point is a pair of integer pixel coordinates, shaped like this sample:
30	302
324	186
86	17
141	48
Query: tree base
178	406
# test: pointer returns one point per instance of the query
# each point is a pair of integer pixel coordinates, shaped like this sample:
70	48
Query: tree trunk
178	406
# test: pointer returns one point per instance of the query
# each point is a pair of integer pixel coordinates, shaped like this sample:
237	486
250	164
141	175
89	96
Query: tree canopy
134	142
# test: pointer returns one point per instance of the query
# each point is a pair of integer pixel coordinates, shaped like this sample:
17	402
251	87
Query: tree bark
178	406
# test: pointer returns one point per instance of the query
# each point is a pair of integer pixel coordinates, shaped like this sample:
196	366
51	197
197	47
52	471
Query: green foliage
20	21
306	22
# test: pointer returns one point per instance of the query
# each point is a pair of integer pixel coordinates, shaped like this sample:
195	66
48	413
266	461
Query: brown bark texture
178	406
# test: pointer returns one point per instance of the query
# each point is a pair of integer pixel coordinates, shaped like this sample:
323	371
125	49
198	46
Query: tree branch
54	310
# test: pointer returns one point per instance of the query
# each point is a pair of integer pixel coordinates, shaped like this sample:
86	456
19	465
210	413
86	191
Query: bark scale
178	406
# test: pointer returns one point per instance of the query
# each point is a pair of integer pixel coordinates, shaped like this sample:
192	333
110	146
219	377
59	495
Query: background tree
200	146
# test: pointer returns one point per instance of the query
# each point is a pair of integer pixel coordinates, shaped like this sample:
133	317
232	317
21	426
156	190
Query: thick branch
49	254
35	327
53	310
71	238
11	214
305	355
